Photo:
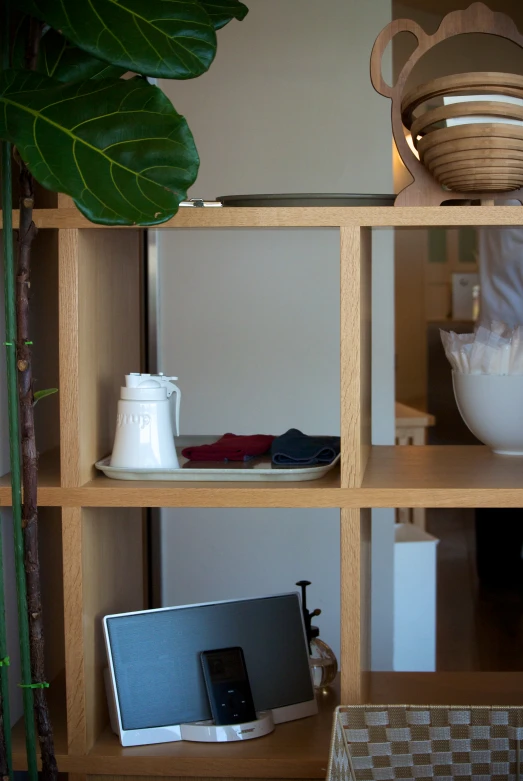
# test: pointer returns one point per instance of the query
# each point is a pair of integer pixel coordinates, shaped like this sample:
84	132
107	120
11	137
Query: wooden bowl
473	144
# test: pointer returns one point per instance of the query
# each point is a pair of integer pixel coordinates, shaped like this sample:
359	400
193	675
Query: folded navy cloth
297	449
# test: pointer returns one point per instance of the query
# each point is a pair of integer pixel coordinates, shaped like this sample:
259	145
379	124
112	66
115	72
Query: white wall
250	319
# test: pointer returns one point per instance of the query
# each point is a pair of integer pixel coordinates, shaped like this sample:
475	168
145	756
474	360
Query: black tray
308	199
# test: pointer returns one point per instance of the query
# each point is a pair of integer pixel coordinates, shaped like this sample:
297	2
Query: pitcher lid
147	387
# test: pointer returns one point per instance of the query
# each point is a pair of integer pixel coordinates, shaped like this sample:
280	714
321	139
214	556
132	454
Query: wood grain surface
430	476
109	327
75	681
308	217
355	545
473	83
355	339
112	582
477	18
476	108
296	750
68	253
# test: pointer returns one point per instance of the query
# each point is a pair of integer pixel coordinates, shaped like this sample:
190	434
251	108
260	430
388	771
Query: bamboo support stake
6	755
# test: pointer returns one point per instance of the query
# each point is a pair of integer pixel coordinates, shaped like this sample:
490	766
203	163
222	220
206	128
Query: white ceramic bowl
492	407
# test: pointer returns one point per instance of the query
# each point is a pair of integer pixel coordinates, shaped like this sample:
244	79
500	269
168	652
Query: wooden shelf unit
92	328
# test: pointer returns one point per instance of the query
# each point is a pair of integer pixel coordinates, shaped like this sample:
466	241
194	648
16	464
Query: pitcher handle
178	393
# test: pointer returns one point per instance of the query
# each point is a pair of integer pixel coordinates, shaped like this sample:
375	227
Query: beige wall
250	319
287	105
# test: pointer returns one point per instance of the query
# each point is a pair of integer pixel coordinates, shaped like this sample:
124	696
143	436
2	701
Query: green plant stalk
14	430
6	761
14	451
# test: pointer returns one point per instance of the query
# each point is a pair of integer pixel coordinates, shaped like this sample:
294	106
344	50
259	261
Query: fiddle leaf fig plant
81	118
221	12
118	147
174	39
64	61
60	59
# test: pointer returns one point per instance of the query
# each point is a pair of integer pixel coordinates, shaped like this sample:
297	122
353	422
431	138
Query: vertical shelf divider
100	341
69	356
355	540
68	284
75	681
355	353
355	356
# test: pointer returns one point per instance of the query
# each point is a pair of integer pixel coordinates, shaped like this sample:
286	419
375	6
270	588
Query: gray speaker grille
157	664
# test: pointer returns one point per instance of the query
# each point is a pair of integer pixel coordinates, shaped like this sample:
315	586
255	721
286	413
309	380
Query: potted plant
82	118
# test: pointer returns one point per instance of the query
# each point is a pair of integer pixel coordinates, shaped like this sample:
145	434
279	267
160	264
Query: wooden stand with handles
425	190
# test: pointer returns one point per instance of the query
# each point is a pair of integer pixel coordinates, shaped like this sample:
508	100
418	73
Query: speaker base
209	732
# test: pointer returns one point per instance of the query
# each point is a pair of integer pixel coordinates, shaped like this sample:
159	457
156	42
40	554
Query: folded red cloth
230	447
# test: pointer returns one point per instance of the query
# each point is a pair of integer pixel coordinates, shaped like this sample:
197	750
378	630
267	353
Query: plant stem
27	233
14	435
33	44
14	452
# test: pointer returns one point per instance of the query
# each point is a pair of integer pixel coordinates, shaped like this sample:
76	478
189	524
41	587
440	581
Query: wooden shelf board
409	417
396	476
105	492
460	688
60	742
56	699
441	476
305	217
298	750
49	491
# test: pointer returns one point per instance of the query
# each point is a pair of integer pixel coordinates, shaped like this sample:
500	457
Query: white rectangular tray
257	470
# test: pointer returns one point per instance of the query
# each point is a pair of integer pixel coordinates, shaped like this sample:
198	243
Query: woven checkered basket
378	743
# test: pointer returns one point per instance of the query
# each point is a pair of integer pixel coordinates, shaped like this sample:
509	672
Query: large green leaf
65	62
59	58
118	147
174	39
224	11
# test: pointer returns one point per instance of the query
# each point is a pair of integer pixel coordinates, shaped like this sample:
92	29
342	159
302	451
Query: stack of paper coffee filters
487	373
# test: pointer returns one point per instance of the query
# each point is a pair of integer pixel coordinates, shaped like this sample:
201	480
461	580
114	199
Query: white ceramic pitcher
144	436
